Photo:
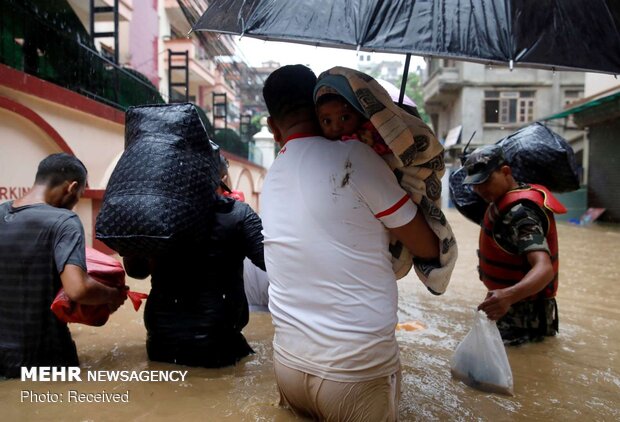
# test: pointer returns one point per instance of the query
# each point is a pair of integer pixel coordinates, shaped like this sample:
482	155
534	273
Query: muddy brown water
574	376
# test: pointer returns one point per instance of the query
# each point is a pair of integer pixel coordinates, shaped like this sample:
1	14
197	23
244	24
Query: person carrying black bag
518	255
197	306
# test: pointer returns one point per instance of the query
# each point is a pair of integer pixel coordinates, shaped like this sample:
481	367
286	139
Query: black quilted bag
162	191
539	155
536	154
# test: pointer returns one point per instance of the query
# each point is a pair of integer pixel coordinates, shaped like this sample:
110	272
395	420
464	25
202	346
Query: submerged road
574	376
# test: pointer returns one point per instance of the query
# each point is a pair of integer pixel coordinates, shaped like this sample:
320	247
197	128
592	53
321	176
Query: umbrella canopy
395	92
552	34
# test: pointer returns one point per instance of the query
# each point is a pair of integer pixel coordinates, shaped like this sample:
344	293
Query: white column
264	142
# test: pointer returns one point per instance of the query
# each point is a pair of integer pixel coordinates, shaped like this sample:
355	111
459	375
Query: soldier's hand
496	304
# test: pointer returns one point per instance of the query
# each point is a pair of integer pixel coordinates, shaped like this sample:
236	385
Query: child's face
338	119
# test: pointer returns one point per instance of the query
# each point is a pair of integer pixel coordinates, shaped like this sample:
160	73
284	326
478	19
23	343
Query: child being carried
340	120
353	105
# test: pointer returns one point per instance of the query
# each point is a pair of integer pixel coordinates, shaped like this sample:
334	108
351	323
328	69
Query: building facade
495	102
485	104
598	114
64	90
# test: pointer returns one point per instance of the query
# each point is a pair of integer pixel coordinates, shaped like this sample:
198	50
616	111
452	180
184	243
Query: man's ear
506	170
277	134
73	187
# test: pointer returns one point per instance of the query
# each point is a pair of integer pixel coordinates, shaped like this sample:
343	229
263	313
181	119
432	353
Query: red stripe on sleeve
393	208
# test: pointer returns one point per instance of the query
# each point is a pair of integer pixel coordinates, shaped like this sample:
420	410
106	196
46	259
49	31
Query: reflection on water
575	376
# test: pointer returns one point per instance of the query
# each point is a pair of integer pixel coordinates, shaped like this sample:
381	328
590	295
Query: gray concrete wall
477	78
604	170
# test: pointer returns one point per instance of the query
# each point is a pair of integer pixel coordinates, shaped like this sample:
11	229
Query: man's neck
36	195
307	128
514	185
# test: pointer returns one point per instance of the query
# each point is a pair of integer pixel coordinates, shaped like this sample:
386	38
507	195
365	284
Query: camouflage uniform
519	231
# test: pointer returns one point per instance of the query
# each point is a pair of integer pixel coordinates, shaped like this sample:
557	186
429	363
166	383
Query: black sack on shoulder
538	155
466	201
162	190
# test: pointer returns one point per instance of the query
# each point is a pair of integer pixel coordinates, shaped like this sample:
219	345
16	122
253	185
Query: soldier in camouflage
518	249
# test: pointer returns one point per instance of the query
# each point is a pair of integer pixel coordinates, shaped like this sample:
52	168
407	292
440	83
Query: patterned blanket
417	160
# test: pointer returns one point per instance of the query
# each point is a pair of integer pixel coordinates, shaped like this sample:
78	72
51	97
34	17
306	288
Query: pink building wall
143	39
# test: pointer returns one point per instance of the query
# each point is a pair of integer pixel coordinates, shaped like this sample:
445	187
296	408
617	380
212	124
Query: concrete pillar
264	142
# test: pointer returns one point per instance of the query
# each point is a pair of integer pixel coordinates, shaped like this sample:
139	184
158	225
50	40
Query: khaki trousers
326	400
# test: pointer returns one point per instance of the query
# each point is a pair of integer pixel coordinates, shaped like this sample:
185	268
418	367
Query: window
506	107
572	95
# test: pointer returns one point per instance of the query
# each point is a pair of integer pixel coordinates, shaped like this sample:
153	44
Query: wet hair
289	90
58	168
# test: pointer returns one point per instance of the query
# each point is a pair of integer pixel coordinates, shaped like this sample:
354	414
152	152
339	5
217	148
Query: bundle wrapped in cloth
416	157
103	269
163	188
536	154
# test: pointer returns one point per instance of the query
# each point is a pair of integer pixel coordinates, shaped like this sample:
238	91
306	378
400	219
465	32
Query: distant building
251	88
495	102
208	73
598	113
390	71
64	89
462	98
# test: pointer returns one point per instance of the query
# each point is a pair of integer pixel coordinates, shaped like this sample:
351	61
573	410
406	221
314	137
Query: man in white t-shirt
328	208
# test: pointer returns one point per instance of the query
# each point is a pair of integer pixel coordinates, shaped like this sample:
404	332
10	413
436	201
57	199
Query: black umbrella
551	34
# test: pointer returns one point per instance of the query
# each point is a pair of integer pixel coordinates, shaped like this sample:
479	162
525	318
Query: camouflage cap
482	162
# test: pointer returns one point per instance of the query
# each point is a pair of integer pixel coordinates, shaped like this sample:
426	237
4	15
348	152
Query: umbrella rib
364	35
511	46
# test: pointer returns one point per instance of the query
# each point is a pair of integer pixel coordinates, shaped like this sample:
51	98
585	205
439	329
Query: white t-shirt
255	283
325	207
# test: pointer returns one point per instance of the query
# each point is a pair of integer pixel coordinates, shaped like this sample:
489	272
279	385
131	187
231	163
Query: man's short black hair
288	90
58	168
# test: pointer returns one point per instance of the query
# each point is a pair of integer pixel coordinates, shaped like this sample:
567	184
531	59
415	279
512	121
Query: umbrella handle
403	84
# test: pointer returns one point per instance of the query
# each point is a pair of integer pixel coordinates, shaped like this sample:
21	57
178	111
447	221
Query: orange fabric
237	195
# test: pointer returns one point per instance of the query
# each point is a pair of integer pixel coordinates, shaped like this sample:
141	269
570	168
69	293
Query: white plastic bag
480	360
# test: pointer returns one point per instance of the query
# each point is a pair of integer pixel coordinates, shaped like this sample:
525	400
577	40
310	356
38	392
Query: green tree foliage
255	124
414	90
230	141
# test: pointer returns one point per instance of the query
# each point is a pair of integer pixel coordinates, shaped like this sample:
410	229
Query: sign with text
9	193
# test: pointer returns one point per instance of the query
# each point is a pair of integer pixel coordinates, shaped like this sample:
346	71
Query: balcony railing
47	40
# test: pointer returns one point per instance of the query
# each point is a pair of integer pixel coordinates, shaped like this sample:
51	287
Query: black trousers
212	351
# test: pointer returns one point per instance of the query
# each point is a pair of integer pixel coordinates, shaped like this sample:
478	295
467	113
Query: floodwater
574	376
